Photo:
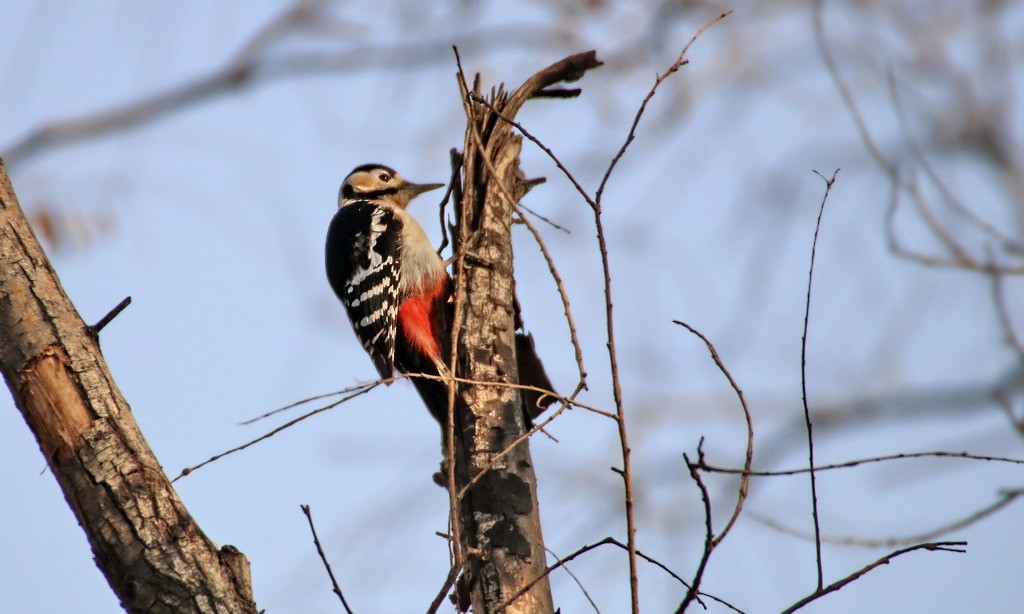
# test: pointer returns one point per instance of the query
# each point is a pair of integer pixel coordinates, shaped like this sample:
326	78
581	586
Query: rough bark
500	528
154	556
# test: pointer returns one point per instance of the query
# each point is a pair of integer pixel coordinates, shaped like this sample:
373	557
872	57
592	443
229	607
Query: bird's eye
384	177
347	191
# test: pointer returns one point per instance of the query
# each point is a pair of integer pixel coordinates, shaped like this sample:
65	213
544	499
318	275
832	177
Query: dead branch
956	255
803	381
709	531
153	554
498	515
864	461
749	457
357	391
252	67
1004	499
595	205
602	243
323	558
835	586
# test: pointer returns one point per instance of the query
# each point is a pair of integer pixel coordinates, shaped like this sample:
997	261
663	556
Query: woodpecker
393	284
397	292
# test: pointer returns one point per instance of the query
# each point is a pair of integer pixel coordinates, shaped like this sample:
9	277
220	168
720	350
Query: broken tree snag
499	523
154	556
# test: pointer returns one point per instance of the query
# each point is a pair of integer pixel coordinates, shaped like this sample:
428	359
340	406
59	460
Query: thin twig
323	557
503	190
614	542
709	532
449	581
844	92
569	400
864	461
749	459
803	382
627	474
113	313
542	218
947	194
897	247
563	295
456	163
679	63
574	579
835	586
527	586
547	150
458	270
1003	314
961	259
301	402
189	470
1005	498
566	402
602	243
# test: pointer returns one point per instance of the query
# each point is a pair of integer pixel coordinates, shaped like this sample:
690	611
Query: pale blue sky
213	220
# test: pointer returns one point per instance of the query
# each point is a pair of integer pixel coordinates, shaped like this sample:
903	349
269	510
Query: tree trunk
499	522
151	551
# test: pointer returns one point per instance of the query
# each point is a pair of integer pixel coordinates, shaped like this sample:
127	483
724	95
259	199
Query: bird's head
380	184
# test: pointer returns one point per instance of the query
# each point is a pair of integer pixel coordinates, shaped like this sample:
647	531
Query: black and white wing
363	268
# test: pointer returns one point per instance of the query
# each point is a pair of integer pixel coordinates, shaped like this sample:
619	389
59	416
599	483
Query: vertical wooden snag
499	523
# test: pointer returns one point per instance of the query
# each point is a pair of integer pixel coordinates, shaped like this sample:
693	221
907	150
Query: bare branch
547	150
323	558
709	532
1005	498
865	461
153	554
522	590
249	69
566	402
562	294
300	402
1003	313
449	581
846	95
959	258
749	459
835	586
113	313
947	195
614	542
679	63
576	580
613	362
803	381
361	391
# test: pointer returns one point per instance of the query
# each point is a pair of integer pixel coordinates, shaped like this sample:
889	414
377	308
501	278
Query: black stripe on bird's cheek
375	194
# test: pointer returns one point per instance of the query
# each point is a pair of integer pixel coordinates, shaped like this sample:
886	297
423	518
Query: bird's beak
415	189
